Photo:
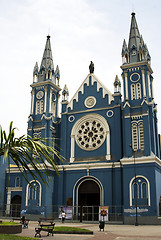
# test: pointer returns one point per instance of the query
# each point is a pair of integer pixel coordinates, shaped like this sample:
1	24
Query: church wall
110	179
115	135
147	172
158	187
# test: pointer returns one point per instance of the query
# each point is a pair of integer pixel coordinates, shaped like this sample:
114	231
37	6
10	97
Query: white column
123	88
149	84
57	114
32	100
72	149
50	100
8	202
45	99
126	87
143	80
108	156
152	88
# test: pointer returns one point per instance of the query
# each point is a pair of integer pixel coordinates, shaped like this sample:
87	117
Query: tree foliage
30	155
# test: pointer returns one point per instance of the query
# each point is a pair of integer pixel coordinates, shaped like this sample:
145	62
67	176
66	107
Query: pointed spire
125	53
47	60
124	48
134	37
117	84
35	72
137	50
46	68
57	73
46	71
65	93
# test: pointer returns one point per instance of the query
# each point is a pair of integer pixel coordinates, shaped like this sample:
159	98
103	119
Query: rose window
90	134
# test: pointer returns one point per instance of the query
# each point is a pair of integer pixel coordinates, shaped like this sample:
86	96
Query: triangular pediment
100	85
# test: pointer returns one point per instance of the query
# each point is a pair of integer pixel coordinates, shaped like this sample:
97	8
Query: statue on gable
91	67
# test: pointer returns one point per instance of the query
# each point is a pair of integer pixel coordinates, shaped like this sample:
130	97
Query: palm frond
31	155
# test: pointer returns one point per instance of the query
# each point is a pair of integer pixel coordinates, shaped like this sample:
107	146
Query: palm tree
28	154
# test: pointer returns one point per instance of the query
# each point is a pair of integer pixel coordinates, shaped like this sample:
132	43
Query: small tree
28	154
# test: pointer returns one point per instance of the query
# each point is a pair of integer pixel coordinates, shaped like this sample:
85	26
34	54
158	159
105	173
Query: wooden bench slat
46	228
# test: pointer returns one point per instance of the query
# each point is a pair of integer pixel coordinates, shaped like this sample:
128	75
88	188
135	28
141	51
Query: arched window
53	108
17	182
41	106
133	92
127	58
141	136
134	137
135	190
33	194
143	190
138	135
37	107
138	90
139	191
133	51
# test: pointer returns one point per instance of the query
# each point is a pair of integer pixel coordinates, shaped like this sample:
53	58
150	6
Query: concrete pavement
111	232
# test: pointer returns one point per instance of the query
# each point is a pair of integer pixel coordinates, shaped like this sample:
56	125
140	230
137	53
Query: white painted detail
131	189
32	100
126	87
76	190
143	80
45	102
90	102
110	113
71	118
99	86
27	191
149	88
39	94
102	129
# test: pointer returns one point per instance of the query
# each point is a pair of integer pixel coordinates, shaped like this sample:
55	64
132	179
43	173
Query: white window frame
138	90
37	107
28	192
133	92
137	135
131	189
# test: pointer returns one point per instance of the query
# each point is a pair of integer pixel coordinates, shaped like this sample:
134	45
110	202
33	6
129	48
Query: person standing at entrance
63	216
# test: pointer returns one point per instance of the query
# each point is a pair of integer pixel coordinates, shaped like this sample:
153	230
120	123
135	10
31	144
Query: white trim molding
76	190
148	189
27	191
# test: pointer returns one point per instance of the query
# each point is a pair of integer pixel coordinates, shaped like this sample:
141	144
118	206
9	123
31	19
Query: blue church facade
109	141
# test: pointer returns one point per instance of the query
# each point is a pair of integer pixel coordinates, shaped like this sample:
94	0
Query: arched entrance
16	206
89	200
160	207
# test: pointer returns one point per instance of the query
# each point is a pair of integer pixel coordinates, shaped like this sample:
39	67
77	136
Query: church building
109	142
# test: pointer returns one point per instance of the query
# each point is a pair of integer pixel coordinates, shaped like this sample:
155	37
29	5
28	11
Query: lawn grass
70	229
8	223
14	237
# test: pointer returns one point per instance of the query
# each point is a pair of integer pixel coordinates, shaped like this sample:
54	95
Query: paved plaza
111	232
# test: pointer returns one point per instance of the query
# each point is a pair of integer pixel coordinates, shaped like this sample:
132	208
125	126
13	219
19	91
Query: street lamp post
136	192
135	189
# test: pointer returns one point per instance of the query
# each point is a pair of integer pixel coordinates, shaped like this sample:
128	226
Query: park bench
50	220
20	220
46	228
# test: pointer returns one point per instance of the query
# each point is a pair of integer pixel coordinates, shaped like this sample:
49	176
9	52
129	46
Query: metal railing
73	213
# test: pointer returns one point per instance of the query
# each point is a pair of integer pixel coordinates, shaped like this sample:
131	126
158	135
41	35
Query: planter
10	229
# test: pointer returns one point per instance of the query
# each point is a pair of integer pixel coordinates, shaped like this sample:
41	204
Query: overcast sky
81	31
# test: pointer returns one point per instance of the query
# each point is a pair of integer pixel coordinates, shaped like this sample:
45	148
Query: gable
90	80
